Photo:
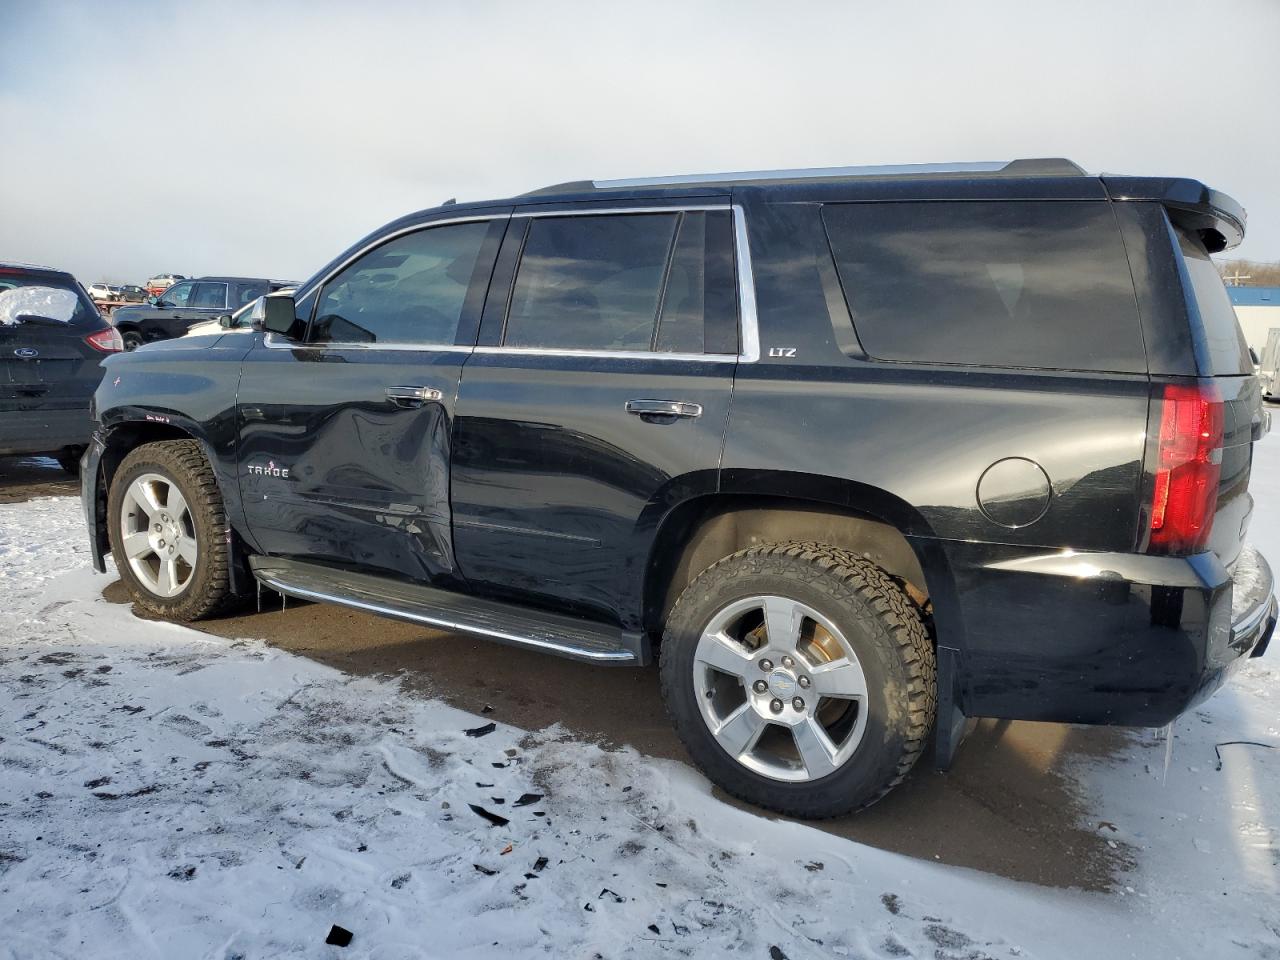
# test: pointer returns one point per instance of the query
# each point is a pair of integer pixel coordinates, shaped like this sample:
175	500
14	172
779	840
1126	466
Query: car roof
35	267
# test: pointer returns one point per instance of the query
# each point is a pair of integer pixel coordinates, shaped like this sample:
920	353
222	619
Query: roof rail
1040	167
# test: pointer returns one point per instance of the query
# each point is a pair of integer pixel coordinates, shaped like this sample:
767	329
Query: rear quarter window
1007	284
1225	351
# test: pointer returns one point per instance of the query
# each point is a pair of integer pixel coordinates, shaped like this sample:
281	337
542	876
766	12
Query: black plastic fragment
485	870
493	818
339	936
540	864
482	731
526	799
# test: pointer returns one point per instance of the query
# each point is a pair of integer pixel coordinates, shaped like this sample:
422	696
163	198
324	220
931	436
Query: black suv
857	454
186	303
52	342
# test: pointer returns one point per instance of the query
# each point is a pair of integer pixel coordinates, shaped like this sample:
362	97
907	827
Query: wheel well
697	534
126	436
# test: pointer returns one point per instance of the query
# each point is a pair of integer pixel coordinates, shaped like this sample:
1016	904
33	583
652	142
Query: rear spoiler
1216	218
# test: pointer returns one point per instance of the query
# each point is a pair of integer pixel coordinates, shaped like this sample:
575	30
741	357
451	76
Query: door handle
410	397
664	408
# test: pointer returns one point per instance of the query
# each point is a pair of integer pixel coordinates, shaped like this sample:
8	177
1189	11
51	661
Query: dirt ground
1007	807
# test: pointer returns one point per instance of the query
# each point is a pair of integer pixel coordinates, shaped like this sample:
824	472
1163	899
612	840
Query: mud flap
951	726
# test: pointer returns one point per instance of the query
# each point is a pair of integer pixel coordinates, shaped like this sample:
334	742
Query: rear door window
1009	284
208	296
1224	342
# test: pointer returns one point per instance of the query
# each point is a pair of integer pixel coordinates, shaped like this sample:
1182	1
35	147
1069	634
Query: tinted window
1224	340
246	292
208	296
1019	284
410	290
699	304
590	283
178	295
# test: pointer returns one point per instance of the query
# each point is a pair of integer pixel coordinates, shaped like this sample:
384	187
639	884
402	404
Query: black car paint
557	497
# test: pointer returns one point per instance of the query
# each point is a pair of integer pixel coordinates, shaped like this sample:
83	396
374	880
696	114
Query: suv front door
344	433
598	397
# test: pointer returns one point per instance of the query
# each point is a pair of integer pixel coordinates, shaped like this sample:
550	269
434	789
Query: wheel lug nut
804	683
775	705
157	528
162	543
766	665
760	686
798	703
788	662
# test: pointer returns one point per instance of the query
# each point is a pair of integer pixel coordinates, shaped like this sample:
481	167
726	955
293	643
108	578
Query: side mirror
274	314
153	300
224	321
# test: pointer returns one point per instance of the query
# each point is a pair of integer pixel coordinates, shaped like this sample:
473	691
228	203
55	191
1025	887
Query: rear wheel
132	339
800	678
168	530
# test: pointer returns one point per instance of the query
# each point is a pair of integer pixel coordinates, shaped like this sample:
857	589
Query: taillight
1188	468
108	340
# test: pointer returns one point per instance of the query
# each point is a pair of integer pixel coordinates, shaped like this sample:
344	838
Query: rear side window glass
246	293
590	282
411	290
1013	284
208	296
1228	352
700	303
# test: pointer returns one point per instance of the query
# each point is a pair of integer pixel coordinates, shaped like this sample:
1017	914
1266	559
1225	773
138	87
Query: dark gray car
186	303
52	342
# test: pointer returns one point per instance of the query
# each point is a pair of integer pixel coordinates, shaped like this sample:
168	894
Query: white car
237	322
103	292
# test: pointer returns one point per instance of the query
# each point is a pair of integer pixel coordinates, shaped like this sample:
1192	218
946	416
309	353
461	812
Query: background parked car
162	282
103	292
130	293
52	342
186	303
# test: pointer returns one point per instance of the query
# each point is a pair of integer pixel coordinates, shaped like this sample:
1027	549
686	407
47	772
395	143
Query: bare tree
1250	273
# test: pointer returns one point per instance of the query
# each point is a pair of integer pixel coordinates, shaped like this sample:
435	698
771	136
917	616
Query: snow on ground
168	794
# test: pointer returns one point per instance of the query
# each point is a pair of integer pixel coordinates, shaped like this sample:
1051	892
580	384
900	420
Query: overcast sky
262	138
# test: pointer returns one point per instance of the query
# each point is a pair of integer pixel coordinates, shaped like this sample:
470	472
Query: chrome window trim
748	322
606	211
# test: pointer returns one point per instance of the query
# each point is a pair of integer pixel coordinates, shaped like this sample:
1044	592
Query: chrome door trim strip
612	656
605	211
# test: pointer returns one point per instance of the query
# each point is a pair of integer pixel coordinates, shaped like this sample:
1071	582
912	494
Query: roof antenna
451	200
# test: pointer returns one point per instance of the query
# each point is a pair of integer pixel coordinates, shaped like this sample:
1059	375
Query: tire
69	460
132	340
196	589
840	604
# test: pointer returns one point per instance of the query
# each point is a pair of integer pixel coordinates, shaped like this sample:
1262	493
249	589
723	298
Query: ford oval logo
26	353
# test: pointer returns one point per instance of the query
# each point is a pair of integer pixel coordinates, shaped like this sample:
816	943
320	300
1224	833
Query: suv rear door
344	432
597	398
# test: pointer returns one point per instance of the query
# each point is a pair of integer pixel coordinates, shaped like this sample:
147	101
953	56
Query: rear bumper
44	430
1111	638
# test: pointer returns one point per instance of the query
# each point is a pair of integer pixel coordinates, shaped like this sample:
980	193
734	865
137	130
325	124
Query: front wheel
168	530
800	677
